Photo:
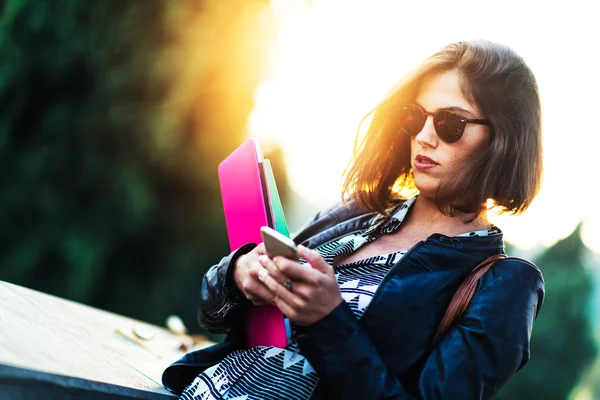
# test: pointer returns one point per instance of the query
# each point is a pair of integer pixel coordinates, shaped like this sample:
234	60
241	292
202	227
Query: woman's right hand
245	275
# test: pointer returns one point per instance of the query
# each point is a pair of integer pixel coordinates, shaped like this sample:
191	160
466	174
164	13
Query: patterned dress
267	373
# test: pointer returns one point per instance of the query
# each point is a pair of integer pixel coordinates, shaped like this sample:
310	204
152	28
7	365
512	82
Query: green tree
113	118
562	344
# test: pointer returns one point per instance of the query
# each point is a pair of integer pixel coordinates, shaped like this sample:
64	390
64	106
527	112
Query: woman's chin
427	187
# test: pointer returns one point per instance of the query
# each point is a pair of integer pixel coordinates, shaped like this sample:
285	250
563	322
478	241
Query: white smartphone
277	244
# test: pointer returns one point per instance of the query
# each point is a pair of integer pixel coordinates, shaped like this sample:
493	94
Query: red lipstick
423	162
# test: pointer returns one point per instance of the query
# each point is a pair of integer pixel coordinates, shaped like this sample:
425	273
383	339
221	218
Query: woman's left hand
313	292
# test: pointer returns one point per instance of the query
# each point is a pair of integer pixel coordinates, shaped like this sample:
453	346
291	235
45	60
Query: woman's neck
425	214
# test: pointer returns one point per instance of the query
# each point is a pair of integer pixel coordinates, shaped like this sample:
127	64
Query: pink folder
247	207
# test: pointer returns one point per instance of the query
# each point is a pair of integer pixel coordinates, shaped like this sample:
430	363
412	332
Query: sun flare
331	62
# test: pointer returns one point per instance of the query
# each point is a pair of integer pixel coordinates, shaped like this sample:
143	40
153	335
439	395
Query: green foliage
108	186
562	344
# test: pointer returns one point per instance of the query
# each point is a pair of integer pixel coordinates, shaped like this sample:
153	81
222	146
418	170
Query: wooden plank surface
47	334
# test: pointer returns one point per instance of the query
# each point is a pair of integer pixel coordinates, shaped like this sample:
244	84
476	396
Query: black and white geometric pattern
257	373
265	373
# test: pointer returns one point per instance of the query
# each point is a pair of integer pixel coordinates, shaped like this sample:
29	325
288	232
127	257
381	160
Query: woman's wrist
231	288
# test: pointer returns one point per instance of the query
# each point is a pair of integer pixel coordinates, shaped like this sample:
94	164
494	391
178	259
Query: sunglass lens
412	120
449	126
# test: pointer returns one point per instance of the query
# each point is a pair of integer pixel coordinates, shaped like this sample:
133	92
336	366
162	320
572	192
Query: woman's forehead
444	90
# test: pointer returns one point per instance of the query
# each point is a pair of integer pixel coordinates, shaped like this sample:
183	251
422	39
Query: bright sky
333	60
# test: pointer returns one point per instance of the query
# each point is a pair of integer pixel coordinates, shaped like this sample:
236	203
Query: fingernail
262	259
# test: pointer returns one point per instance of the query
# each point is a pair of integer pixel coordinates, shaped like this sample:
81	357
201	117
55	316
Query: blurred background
115	114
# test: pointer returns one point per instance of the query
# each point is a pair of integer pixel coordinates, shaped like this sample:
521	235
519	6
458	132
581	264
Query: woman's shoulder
510	266
338	215
514	277
340	212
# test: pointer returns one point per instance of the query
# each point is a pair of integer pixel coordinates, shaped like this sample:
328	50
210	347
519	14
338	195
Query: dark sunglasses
449	125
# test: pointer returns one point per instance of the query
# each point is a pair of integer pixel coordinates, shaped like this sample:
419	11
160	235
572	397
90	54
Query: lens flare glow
332	61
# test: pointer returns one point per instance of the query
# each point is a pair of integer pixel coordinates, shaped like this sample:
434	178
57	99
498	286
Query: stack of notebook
250	201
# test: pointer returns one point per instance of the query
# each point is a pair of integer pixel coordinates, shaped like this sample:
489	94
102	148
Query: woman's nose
427	136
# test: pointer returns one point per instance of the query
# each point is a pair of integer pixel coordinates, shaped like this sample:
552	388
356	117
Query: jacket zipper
221	312
387	276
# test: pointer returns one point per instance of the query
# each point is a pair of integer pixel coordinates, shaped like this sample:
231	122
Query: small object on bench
142	333
175	325
56	348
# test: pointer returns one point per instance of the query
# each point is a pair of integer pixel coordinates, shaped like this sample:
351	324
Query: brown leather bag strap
461	299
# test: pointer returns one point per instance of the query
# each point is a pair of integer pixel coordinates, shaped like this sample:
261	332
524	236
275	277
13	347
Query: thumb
315	260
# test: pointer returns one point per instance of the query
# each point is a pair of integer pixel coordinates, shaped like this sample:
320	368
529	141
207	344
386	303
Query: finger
259	302
295	271
315	260
303	290
254	288
274	271
260	249
277	289
260	295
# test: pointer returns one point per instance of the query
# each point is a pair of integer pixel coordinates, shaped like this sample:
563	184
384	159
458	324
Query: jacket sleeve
221	303
475	358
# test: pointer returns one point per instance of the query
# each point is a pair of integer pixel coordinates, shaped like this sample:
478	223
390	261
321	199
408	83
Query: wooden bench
58	349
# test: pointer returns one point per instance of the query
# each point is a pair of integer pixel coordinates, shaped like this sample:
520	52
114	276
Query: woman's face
431	158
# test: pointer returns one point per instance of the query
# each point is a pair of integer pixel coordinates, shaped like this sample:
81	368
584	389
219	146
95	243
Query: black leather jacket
388	353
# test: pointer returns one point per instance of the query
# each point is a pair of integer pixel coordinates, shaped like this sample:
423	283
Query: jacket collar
340	220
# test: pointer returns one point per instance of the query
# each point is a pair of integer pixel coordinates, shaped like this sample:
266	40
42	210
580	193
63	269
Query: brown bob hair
508	170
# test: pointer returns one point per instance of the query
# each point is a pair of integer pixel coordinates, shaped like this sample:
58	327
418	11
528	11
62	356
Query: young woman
461	129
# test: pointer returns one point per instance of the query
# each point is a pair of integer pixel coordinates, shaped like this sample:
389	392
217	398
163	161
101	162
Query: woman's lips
423	162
